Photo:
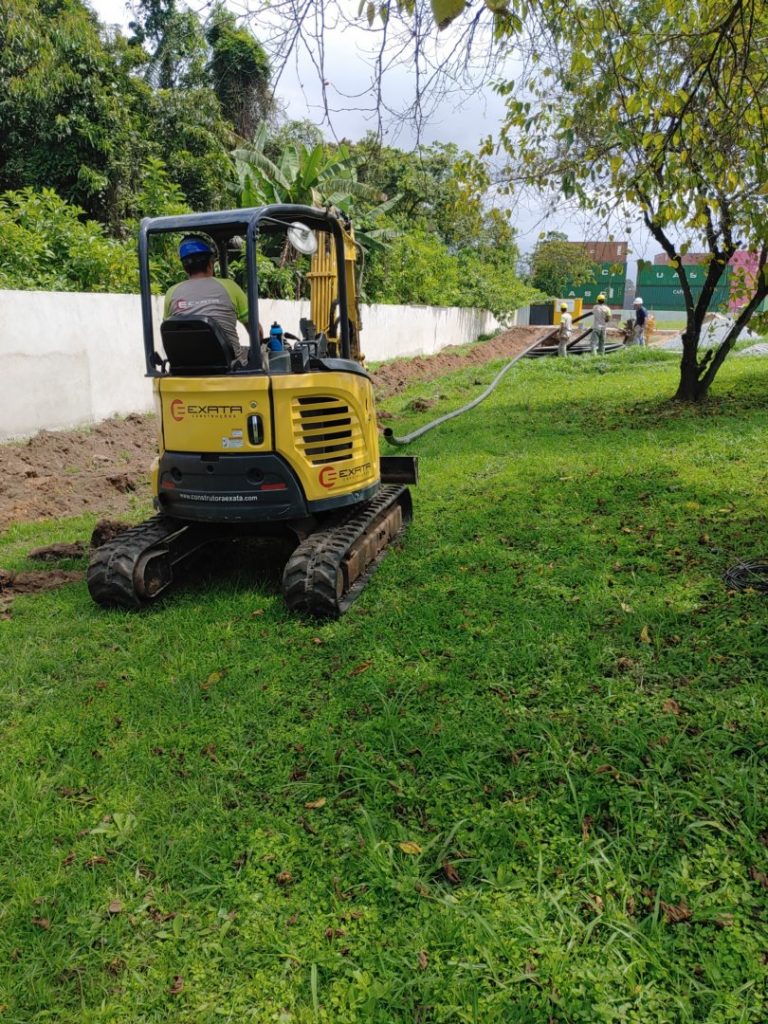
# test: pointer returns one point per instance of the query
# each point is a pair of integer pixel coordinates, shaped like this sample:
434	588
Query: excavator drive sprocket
136	566
329	569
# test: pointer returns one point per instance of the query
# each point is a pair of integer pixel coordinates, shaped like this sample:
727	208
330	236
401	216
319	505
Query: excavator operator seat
196	346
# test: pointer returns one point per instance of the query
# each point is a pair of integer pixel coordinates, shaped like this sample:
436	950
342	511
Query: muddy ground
104	469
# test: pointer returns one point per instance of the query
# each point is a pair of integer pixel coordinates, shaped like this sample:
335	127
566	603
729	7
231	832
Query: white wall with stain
69	359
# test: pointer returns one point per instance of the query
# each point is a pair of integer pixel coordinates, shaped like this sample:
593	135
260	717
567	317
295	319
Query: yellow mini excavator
283	446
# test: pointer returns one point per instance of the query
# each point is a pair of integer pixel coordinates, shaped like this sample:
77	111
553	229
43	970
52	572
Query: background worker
564	331
641	315
202	294
601	317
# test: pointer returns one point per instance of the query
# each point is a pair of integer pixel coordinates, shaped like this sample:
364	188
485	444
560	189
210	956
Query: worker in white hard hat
641	315
564	330
601	317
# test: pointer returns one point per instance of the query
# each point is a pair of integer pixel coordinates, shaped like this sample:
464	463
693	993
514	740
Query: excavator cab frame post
250	223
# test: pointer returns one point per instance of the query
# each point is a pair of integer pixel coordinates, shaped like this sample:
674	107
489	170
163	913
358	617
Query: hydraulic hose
390	438
389	435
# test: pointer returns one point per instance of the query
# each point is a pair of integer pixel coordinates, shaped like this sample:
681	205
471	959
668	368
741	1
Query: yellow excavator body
282	445
323	425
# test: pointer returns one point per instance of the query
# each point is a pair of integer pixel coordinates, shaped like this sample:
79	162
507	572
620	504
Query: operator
564	331
641	315
202	294
601	317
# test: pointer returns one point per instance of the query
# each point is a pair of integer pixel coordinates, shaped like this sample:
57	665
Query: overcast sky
464	119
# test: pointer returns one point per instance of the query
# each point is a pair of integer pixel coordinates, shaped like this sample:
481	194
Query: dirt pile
105	469
390	378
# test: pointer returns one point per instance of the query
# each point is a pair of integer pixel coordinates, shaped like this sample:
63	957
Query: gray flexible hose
390	438
389	435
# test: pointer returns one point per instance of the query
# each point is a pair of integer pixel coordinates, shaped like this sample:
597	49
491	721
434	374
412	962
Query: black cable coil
748	576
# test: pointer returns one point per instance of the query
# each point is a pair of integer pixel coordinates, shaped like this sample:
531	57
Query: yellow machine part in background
322	424
574	308
324	288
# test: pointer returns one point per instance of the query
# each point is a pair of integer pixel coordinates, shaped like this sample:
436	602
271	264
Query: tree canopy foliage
556	263
68	103
240	72
645	111
451	246
47	245
650	110
102	129
657	109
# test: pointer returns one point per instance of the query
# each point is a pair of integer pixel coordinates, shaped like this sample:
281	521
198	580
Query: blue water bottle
275	343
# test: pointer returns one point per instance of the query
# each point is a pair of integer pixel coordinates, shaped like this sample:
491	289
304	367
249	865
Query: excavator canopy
222	227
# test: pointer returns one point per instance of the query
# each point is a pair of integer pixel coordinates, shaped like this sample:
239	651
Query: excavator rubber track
329	570
323	576
136	566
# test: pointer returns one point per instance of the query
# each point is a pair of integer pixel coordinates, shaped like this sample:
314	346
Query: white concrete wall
69	359
394	331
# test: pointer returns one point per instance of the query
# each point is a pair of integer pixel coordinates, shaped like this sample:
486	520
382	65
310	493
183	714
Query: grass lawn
523	780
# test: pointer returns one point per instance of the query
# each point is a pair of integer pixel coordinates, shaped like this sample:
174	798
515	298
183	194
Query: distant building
606	252
690	259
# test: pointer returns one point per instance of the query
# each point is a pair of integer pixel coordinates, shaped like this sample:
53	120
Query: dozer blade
329	570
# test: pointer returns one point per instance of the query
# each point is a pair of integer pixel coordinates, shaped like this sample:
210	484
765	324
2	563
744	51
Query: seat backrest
307	328
196	346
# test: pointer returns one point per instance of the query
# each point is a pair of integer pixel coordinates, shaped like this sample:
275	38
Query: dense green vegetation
101	129
651	110
522	780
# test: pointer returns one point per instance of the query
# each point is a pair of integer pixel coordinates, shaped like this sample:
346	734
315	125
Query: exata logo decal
327	476
179	410
330	477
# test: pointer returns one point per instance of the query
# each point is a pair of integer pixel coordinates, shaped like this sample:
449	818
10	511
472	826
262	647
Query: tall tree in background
183	113
651	109
69	107
441	188
240	72
174	42
658	109
456	246
83	111
557	263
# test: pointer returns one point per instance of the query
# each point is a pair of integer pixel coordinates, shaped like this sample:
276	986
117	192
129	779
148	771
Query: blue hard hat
194	247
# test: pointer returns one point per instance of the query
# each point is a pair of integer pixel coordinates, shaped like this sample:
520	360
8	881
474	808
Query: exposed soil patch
105	469
106	530
12	583
77	471
55	552
390	378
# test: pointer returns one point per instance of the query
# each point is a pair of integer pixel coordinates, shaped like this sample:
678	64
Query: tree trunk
688	389
696	377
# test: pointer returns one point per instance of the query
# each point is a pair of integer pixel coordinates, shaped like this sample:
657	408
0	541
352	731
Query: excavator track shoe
136	566
329	570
